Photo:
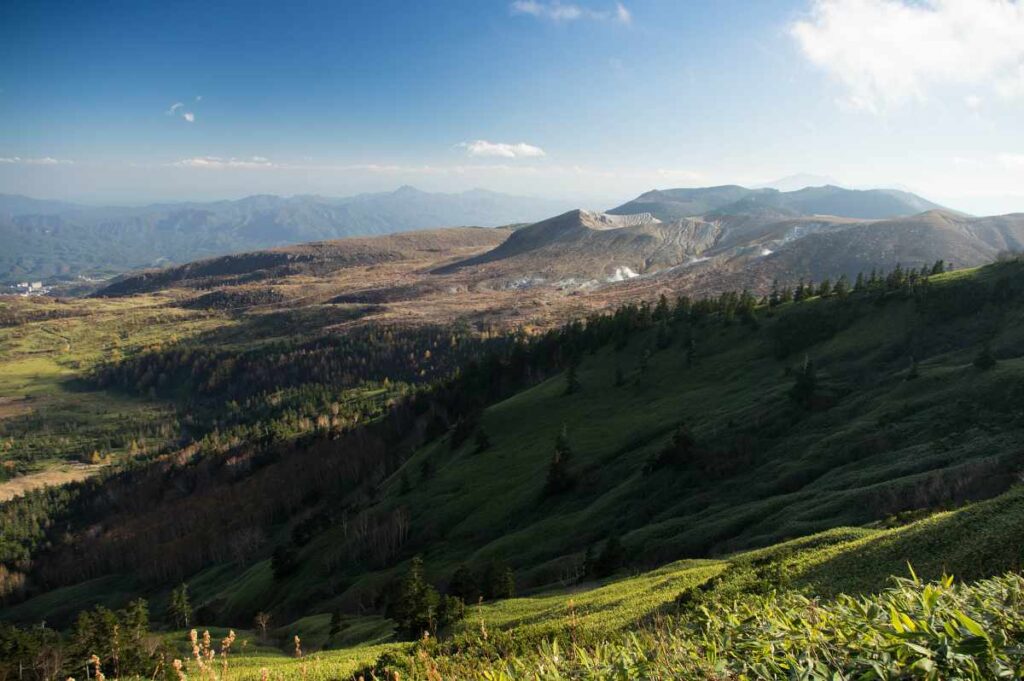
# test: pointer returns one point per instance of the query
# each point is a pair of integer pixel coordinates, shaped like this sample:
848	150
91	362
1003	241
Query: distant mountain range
715	238
46	239
869	204
702	241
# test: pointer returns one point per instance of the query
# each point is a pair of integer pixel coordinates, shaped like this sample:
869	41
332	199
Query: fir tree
481	443
803	388
415	609
180	608
572	381
464	585
559	479
612	557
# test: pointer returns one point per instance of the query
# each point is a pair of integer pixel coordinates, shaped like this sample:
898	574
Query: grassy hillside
814	447
872	445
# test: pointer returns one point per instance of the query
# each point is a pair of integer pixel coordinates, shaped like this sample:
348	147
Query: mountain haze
52	239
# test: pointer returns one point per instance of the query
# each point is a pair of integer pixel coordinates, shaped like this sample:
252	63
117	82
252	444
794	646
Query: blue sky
590	100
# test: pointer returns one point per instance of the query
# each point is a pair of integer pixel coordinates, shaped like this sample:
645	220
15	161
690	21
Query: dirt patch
58	475
14	406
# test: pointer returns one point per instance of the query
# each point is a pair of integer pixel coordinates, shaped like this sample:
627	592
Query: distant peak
407	190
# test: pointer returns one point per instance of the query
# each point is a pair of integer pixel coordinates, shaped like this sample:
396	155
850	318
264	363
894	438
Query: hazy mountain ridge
761	236
50	239
872	204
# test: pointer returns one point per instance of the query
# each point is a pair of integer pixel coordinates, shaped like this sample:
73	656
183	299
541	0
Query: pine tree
508	583
613	556
803	388
559	478
661	311
679	453
464	585
415	610
481	442
842	286
180	609
589	563
572	381
335	627
664	335
825	289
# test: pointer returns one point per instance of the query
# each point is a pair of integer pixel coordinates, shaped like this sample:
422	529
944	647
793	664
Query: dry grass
58	475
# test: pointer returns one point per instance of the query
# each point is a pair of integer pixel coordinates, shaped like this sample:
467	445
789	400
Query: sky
589	100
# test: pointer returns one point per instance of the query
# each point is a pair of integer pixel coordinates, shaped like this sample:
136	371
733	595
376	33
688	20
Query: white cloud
1013	161
174	108
44	161
501	149
216	162
888	52
558	11
189	116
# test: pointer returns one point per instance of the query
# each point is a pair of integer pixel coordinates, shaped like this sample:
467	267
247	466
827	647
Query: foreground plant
914	630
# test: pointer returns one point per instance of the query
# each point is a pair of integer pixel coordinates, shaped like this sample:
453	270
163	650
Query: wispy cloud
558	11
216	162
481	148
178	110
888	52
44	161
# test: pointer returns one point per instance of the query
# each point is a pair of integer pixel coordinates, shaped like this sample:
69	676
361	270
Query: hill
804	444
55	240
869	204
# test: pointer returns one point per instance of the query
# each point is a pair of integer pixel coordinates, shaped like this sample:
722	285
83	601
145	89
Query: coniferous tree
464	585
481	442
842	287
335	627
664	335
180	608
508	584
572	381
803	388
612	557
661	312
415	609
619	378
450	609
589	563
559	479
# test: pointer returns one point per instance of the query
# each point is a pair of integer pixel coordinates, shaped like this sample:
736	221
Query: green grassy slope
884	445
905	451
